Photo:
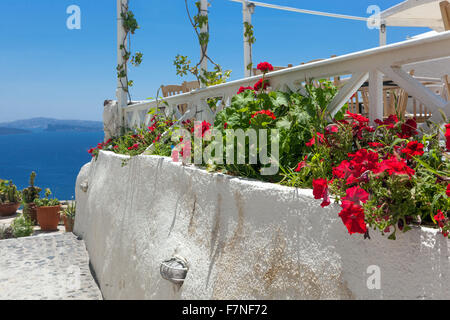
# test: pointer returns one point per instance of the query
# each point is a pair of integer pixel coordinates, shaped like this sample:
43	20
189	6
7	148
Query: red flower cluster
301	165
413	149
134	147
243	89
409	129
448	190
447	136
320	191
264	112
320	137
261	84
265	67
360	124
201	129
100	146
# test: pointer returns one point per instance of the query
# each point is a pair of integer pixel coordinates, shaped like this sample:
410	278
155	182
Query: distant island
8	131
49	124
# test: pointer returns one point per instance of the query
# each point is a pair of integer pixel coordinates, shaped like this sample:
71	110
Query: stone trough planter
242	239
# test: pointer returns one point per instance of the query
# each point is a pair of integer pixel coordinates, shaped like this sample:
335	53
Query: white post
121	91
247	11
383	30
204	29
375	96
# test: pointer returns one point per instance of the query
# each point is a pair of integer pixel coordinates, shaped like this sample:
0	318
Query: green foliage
71	210
47	202
6	232
31	193
9	192
183	64
22	226
248	33
130	26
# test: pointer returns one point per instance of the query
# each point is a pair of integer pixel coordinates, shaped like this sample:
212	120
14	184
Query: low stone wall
242	239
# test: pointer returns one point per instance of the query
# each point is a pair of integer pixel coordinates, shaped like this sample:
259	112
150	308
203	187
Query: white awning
415	13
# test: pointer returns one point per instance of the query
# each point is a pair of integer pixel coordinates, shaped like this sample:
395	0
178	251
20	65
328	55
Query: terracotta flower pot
30	210
48	217
68	223
8	209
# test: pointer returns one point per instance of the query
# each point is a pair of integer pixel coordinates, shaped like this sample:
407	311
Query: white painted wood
375	95
432	101
383	34
121	93
204	29
349	89
247	18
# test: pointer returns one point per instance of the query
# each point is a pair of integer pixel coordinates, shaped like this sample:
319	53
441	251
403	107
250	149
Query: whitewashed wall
243	239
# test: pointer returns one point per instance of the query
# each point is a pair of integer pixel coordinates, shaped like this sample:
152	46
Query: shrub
22	227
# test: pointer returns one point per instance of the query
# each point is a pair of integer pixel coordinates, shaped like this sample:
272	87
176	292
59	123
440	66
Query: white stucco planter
242	239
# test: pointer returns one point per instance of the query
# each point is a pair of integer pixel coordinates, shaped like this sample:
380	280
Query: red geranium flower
413	149
265	112
265	67
409	129
447	136
361	162
320	191
259	85
330	129
301	165
448	190
356	195
390	122
116	147
394	166
352	216
243	89
225	125
440	218
313	139
134	147
358	117
376	145
343	170
204	127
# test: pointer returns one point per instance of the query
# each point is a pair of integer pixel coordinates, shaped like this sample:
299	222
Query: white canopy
415	13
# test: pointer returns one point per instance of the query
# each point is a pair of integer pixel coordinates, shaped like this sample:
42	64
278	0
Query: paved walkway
47	267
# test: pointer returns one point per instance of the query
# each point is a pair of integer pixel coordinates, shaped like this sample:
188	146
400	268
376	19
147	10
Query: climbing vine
184	65
130	26
249	35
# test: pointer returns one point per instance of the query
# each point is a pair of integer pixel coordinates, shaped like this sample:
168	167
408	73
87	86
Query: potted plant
10	198
48	212
69	216
29	195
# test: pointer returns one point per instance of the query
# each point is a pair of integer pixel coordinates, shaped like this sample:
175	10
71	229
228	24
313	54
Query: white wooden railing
368	65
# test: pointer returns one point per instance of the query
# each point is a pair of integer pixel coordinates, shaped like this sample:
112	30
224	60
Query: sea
56	157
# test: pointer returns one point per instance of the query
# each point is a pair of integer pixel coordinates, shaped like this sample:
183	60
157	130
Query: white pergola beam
418	91
121	93
347	91
375	95
247	18
204	29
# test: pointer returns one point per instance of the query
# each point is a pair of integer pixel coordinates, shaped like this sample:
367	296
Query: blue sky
50	71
